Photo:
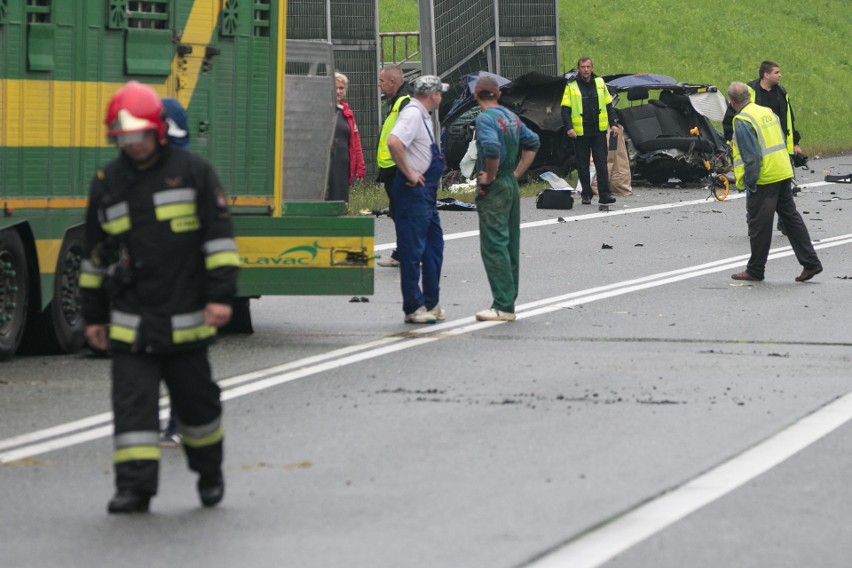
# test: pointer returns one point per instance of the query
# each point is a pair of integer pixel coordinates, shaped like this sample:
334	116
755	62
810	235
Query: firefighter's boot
126	501
211	489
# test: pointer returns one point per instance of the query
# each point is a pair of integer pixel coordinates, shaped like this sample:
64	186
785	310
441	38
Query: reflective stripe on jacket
572	97
159	247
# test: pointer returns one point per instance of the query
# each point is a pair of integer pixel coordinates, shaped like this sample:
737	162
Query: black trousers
592	146
135	402
762	205
386	177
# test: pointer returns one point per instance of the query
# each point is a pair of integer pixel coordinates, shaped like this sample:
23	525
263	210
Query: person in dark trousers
762	167
420	239
505	149
396	93
587	115
158	278
767	91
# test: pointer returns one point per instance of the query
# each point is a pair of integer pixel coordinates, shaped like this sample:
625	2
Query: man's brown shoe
746	275
808	273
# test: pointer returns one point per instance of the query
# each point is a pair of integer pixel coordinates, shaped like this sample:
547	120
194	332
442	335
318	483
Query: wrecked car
535	98
667	127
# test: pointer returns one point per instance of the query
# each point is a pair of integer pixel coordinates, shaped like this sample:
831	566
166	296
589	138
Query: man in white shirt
420	239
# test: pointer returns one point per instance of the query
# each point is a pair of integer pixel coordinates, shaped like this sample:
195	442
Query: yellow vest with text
789	133
775	162
383	155
571	97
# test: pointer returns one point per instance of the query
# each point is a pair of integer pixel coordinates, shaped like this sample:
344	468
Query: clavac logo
301	255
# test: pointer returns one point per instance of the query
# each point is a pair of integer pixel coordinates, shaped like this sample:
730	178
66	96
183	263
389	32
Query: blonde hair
338	76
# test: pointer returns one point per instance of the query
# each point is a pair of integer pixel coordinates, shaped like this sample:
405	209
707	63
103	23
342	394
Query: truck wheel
14	292
61	322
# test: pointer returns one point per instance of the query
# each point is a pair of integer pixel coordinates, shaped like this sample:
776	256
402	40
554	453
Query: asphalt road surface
644	410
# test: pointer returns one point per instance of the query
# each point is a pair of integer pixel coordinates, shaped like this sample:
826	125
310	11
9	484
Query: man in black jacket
767	91
159	275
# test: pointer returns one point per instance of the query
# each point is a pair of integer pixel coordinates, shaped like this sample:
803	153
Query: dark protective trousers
762	204
135	402
593	146
499	211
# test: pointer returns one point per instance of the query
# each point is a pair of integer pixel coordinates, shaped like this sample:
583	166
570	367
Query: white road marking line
36	443
65	441
600	545
60	430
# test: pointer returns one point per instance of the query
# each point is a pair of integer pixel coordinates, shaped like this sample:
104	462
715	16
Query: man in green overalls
499	136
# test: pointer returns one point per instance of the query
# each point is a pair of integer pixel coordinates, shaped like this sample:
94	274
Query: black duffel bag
554	199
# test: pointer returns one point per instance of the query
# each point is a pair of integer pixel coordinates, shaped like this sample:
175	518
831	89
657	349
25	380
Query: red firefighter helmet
135	108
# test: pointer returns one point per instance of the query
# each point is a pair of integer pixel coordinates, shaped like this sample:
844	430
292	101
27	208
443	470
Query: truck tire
61	322
14	292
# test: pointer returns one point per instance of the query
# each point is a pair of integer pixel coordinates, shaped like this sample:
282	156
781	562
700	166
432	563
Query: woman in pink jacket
347	159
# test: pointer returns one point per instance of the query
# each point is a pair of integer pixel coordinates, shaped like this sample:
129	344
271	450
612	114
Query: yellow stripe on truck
56	114
300	252
199	34
14	203
259	252
70	114
48	254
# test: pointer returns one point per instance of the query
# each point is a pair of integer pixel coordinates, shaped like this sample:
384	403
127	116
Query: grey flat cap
428	84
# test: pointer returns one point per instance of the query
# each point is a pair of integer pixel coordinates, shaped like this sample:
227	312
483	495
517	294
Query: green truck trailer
260	108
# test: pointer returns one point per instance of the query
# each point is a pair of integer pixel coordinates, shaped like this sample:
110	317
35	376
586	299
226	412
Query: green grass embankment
703	41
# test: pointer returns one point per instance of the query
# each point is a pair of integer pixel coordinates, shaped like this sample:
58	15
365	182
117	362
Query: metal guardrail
402	48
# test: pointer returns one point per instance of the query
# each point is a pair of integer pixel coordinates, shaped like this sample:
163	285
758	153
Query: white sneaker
439	313
389	262
492	314
421	315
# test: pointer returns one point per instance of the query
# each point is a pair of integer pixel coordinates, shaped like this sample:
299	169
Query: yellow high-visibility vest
383	155
775	163
571	97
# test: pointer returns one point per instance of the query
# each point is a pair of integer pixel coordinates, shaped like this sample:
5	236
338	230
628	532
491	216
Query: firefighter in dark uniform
158	279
